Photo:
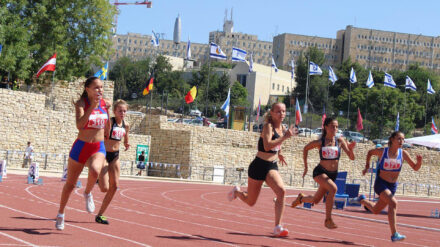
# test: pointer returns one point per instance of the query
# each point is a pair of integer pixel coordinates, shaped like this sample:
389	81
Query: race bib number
330	152
97	120
118	133
391	164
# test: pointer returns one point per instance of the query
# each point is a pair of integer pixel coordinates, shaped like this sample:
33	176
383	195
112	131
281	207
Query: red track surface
151	213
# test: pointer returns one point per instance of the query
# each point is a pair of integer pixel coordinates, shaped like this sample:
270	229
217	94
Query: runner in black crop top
261	144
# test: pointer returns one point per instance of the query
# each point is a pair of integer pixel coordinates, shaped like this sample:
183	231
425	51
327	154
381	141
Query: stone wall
50	128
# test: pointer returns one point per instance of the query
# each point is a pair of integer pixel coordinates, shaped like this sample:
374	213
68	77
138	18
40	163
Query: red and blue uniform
81	151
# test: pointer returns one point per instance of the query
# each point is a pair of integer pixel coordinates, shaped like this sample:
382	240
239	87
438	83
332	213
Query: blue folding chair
352	190
341	197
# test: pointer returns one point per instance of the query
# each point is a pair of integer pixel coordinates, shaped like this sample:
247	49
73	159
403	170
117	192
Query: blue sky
268	18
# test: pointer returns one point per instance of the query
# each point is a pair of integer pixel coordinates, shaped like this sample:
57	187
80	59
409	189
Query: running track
155	213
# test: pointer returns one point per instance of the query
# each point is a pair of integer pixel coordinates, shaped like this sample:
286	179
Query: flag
331	75
155	39
314	69
397	123
216	52
353	78
49	65
225	106
324	116
188	50
191	95
298	117
388	81
102	74
251	65
258	109
292	65
370	81
274	65
409	84
429	88
1	47
434	129
238	55
148	85
359	125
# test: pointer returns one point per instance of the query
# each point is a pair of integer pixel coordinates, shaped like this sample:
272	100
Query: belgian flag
148	86
191	95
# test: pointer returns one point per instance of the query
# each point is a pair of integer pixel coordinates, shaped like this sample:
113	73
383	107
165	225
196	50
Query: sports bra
273	150
99	116
388	164
116	132
329	152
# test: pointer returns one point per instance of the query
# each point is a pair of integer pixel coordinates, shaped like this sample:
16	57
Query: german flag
191	95
148	86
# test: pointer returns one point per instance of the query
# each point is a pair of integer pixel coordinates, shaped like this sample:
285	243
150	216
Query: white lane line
129	222
18	239
433	202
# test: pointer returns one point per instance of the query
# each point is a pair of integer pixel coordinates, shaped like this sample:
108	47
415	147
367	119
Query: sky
322	18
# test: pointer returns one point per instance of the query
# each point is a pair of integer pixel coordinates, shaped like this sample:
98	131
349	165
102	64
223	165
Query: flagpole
290	98
207	89
404	105
426	108
366	112
348	111
307	84
326	101
383	89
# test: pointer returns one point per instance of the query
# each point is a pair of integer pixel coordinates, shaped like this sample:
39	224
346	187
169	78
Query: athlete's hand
127	146
351	145
305	171
95	101
365	171
419	159
282	160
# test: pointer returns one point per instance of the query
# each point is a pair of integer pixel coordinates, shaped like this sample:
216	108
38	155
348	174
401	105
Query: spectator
28	155
141	163
14	85
4	83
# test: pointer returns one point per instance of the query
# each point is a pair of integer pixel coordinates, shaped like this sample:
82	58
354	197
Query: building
375	49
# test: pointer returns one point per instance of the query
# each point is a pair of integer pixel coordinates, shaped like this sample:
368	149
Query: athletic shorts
81	151
380	185
321	170
259	168
110	156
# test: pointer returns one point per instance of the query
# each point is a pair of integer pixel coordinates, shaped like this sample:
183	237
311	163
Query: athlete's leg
114	170
95	163
253	190
275	182
74	170
317	197
103	180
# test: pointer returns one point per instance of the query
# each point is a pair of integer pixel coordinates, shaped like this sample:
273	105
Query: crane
117	3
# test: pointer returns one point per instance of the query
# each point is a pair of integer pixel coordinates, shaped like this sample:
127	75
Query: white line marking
18	239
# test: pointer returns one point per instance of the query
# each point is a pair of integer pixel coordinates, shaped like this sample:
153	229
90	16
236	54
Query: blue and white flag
314	69
274	65
370	81
388	81
216	52
155	39
331	75
1	47
102	74
353	78
409	84
225	106
292	72
429	88
397	123
188	50
238	55
251	64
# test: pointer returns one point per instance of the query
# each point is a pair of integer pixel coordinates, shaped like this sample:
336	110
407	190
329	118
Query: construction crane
148	4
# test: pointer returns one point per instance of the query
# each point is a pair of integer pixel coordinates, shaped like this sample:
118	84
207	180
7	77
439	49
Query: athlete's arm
377	152
310	145
127	129
348	148
415	166
83	116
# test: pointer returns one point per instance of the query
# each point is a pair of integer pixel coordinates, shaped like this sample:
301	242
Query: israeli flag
155	39
251	65
430	89
331	75
370	81
274	65
388	81
409	84
314	69
292	64
225	106
216	52
397	123
188	50
238	55
353	78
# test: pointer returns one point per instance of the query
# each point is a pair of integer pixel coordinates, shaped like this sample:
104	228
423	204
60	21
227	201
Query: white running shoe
90	205
280	231
59	223
231	194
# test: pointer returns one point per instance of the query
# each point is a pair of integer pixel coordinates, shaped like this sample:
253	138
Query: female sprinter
264	168
385	185
88	149
109	176
326	171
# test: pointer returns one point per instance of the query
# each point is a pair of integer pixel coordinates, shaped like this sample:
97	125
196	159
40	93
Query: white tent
432	141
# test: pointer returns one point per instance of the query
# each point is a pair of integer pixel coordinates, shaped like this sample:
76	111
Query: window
278	87
242	79
282	89
273	86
